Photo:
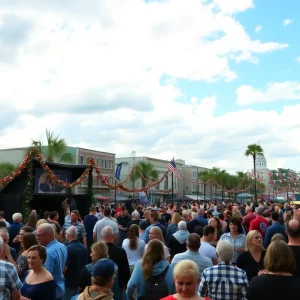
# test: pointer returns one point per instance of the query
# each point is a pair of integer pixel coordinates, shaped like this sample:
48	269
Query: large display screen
44	184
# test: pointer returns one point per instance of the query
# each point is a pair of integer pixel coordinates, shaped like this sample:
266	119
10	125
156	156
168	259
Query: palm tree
6	168
55	150
204	176
145	171
254	150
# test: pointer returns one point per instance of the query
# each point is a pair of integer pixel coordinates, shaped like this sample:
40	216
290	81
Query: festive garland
17	172
34	154
27	197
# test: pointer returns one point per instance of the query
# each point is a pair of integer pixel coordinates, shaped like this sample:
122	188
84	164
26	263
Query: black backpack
156	288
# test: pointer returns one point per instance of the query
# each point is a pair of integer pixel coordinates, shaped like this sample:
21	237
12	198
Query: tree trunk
254	169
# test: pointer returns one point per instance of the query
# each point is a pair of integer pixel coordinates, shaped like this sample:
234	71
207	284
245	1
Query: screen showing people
45	184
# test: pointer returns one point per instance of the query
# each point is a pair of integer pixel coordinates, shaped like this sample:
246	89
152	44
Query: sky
197	80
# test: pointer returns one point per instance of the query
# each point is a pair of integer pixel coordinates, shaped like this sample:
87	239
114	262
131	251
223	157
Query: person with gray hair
56	256
77	259
259	223
10	283
186	215
135	219
119	257
177	241
14	230
9	254
193	223
234	281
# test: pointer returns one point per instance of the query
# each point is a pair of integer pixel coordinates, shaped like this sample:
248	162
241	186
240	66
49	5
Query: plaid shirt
237	243
79	226
223	282
9	280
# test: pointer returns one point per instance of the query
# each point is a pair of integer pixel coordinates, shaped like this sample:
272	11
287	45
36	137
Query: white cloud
233	6
258	28
194	100
105	74
287	22
298	58
288	90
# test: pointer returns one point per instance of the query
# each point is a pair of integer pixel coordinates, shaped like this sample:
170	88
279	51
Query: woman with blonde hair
186	279
252	259
152	264
133	246
173	226
40	222
277	281
156	234
98	250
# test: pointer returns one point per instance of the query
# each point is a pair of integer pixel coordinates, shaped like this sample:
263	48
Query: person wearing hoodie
153	263
177	240
102	281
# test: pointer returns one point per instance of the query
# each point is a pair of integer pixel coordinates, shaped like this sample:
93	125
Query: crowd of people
219	251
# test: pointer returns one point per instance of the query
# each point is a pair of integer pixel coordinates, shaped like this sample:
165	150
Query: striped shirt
224	282
237	243
55	263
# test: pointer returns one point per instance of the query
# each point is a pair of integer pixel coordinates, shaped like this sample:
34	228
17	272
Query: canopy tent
121	198
100	197
244	195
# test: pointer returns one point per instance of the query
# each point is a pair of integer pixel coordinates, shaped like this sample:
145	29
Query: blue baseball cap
105	267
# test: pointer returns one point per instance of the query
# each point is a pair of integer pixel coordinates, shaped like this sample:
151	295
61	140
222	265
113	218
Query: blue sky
276	66
197	80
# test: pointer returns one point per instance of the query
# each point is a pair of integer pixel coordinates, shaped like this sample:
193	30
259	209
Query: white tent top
194	197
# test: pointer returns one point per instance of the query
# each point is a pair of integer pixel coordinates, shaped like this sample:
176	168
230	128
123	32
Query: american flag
172	167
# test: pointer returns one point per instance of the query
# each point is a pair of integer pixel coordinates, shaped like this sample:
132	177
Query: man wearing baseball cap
103	276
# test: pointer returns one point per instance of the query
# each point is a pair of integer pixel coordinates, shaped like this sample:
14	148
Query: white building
192	185
262	172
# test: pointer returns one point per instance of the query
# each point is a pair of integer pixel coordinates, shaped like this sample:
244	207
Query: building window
110	180
106	164
81	159
97	162
102	163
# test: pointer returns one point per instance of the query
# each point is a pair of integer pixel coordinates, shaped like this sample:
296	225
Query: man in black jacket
119	257
123	220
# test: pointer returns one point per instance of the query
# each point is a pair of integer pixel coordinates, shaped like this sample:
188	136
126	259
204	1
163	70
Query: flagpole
172	189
